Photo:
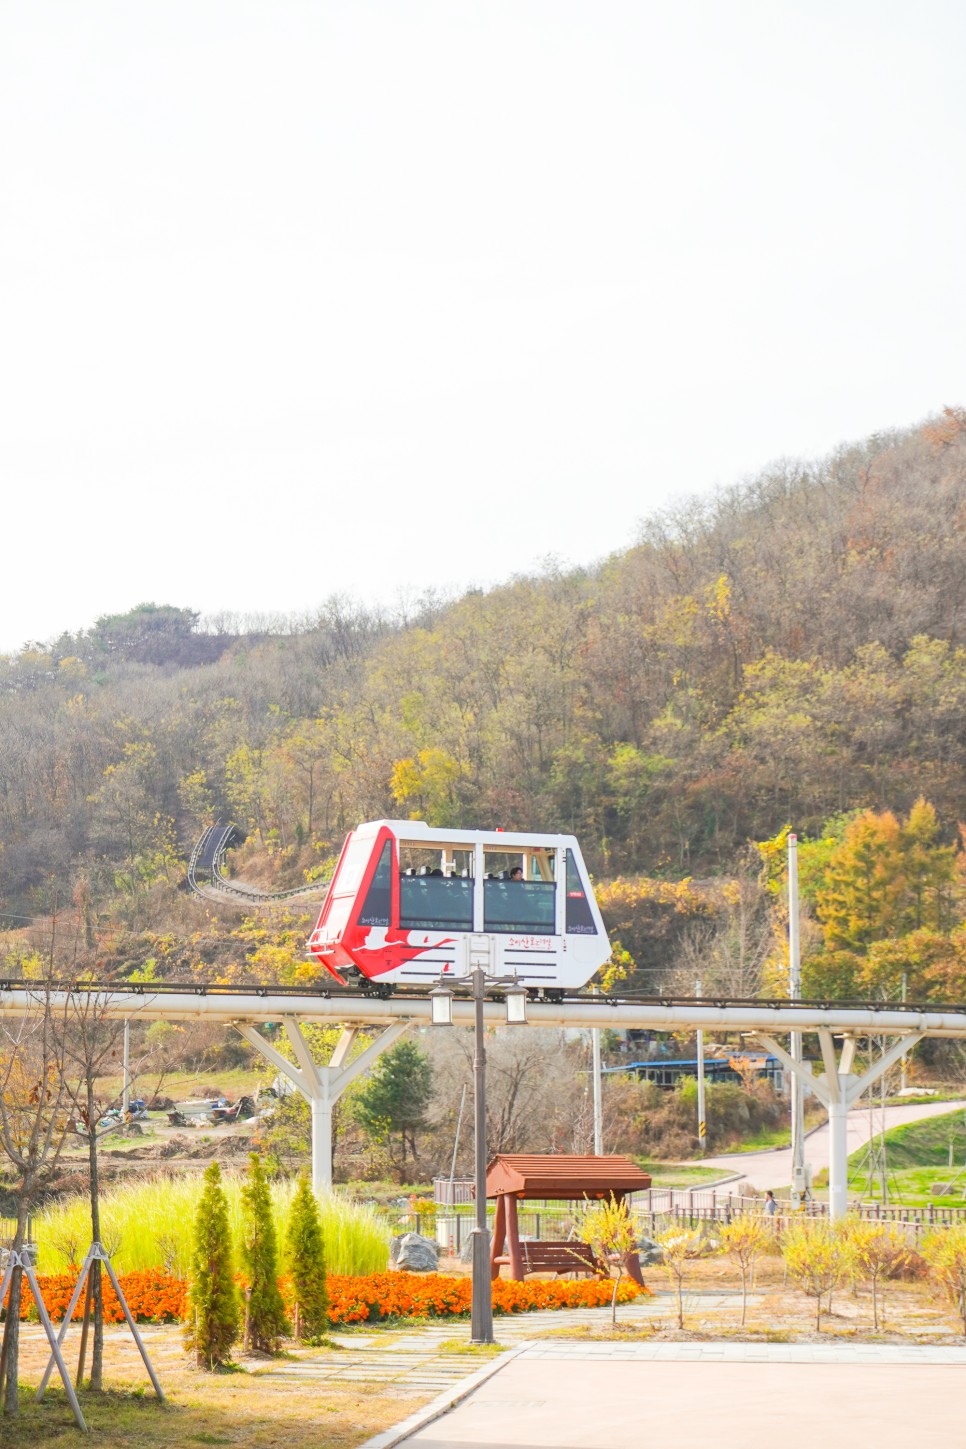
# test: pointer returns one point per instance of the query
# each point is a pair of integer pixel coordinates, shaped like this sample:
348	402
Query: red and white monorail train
405	899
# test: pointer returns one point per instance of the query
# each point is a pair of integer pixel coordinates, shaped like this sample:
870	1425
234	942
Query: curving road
774	1168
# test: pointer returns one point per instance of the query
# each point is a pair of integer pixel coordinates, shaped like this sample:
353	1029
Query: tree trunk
818	1312
875	1304
680	1291
97	1294
10	1353
613	1301
744	1294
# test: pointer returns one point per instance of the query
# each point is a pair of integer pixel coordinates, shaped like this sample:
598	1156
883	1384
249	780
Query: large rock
415	1254
649	1252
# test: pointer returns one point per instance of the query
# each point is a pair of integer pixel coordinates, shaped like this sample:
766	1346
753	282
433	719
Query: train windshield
580	918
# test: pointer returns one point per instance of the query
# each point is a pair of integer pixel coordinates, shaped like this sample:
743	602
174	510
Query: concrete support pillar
838	1159
321	1086
321	1145
838	1091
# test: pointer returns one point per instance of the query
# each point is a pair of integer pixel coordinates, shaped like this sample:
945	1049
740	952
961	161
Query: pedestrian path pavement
412	1361
850	1353
415	1361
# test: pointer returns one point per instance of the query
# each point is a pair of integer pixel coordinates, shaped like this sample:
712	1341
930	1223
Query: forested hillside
789	651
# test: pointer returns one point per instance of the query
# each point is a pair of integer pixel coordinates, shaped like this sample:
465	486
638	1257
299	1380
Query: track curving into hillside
207	878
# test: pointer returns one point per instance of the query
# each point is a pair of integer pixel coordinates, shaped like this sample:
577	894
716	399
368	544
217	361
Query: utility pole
702	1117
795	991
481	1313
598	1102
905	988
126	1091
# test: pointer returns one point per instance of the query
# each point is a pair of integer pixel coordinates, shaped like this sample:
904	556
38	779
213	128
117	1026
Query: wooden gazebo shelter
514	1177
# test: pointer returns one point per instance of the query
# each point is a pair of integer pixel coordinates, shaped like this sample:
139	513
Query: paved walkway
609	1396
774	1168
413	1362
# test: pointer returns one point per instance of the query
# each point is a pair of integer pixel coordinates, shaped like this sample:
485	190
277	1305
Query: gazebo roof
557	1175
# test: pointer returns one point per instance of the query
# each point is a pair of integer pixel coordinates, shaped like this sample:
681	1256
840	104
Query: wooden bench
553	1257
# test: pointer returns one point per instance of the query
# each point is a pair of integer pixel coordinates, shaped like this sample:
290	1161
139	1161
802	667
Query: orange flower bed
152	1296
433	1295
156	1297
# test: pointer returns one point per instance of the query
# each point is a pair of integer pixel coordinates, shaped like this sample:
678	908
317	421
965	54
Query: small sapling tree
745	1238
945	1252
680	1250
608	1228
306	1264
265	1320
213	1316
880	1251
816	1257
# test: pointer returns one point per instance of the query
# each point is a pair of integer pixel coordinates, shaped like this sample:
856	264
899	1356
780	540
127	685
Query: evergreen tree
265	1320
395	1099
213	1316
306	1264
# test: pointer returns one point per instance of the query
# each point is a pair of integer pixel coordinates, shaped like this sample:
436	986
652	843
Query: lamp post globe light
481	954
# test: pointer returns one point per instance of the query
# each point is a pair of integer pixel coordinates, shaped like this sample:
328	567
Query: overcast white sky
298	298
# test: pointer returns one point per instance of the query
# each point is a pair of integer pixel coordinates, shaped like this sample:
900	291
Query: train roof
418	831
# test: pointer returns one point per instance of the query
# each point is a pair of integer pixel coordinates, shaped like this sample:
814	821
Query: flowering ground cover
157	1297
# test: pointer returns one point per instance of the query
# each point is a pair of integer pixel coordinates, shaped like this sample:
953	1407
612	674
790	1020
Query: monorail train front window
378	902
580	919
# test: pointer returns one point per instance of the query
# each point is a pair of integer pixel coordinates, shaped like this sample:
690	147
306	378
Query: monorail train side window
378	902
434	902
580	919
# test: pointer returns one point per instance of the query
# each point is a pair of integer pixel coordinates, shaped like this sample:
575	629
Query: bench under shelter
515	1177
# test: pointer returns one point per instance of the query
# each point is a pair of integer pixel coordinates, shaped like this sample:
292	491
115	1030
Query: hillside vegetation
791	650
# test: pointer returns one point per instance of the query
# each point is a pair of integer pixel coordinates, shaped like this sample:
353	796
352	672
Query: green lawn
676	1174
917	1156
235	1082
923	1144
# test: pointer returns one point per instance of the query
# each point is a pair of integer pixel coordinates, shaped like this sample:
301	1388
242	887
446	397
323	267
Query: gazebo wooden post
632	1262
499	1234
513	1238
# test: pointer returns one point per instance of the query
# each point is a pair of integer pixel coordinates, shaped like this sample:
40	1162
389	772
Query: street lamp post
481	1316
481	953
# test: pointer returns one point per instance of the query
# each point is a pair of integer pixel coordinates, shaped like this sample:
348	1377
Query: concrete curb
447	1400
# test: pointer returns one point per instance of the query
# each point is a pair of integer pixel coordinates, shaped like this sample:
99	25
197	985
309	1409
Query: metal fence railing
655	1210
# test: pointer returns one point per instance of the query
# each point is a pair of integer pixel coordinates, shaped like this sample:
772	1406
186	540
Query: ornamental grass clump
265	1320
212	1328
306	1265
144	1219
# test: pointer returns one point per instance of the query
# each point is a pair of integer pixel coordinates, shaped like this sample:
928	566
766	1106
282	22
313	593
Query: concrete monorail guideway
838	1025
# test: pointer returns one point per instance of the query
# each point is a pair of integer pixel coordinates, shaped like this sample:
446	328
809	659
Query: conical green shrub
306	1263
265	1320
213	1314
